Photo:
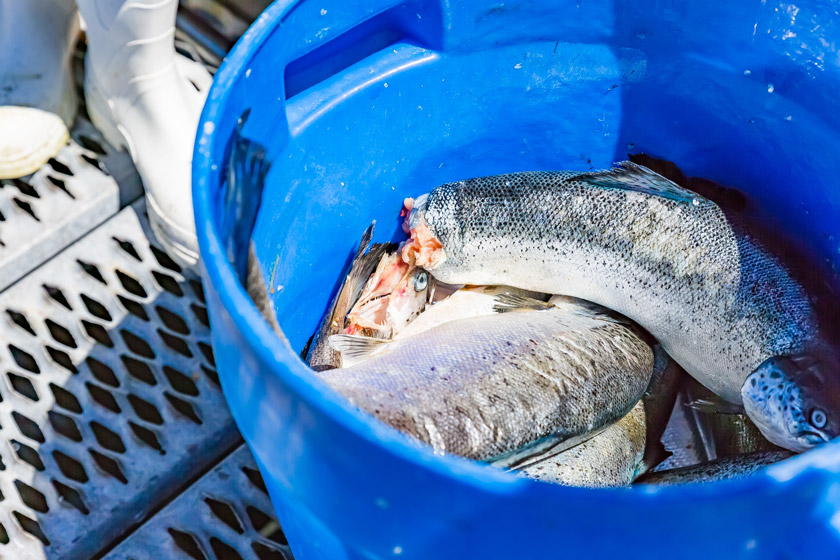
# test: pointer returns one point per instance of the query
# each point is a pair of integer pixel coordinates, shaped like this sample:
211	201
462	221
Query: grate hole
145	410
28	455
264	552
70	496
225	513
24	359
164	259
128	248
65	399
60	167
131	284
26	207
200	314
70	467
28	427
137	345
64	425
211	375
183	407
4	536
25	188
175	343
187	543
92	145
61	334
23	386
147	436
102	372
173	321
57	295
168	283
255	478
180	382
139	370
62	358
223	551
207	350
96	309
20	320
107	438
32	497
61	185
94	162
198	290
98	333
103	397
31	526
2	217
92	270
265	525
134	308
108	465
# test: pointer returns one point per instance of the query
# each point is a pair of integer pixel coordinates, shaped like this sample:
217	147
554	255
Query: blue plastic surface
360	104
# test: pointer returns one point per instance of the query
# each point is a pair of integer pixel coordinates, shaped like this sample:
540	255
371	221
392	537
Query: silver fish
611	458
720	469
665	257
502	386
626	449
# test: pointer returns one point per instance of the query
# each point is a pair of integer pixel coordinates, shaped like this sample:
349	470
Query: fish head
394	295
793	402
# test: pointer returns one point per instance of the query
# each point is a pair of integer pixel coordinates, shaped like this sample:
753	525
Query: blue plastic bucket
360	104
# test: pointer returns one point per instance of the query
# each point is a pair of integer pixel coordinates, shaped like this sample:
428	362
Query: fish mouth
812	437
388	300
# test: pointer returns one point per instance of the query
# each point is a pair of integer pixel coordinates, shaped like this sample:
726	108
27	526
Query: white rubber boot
37	96
146	98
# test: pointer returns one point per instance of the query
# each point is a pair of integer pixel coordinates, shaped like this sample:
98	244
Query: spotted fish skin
484	387
714	471
634	242
611	458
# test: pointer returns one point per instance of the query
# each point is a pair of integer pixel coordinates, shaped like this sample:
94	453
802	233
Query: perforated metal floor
226	515
110	400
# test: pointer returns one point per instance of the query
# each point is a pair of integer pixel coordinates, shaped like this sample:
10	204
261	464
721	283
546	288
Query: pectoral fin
355	348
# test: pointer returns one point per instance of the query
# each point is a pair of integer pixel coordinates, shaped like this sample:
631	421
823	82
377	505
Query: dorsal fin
630	176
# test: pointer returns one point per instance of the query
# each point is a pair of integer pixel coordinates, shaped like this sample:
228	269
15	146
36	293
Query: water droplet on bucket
323	12
770	88
747	72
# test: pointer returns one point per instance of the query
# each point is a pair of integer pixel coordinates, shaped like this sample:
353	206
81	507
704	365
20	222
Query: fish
724	468
379	295
321	355
532	376
630	240
624	450
612	458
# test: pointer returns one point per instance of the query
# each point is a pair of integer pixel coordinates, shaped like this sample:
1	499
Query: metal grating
43	213
110	400
226	515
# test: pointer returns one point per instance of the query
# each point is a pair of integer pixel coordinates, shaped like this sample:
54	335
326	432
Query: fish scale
669	259
484	387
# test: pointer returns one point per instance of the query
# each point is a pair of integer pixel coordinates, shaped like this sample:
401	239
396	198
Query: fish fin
513	302
655	455
630	176
716	405
355	348
361	270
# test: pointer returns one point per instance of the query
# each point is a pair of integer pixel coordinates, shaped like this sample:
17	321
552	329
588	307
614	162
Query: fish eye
818	418
421	281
